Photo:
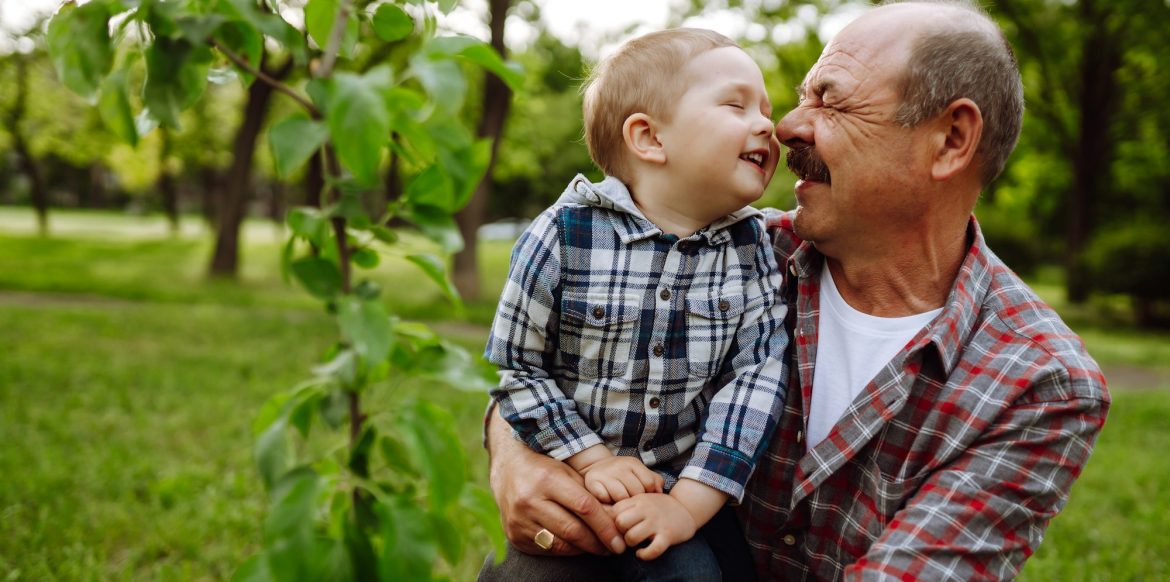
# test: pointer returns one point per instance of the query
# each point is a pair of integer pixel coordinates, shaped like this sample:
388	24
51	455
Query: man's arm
536	492
983	515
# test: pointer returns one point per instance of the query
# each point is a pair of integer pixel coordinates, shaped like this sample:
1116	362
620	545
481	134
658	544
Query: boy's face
720	144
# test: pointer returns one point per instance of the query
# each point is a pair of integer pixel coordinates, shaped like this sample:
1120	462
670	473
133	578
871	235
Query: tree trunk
231	204
1100	59
28	164
496	98
166	184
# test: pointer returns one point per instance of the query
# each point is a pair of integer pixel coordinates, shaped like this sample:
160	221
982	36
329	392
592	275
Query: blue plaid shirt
671	350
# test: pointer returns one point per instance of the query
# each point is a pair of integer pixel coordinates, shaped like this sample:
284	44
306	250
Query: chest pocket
712	320
597	333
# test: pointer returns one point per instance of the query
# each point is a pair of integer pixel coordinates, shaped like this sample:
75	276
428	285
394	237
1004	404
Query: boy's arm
522	344
743	413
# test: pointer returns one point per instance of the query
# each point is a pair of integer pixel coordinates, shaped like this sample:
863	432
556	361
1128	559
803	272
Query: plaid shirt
671	350
952	461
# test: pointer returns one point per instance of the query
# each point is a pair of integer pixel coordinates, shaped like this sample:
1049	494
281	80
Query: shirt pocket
597	333
712	320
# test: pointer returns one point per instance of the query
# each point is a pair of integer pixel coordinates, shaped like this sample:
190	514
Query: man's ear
961	127
641	136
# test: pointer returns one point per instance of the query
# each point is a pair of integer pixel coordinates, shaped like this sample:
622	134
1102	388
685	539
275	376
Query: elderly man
939	412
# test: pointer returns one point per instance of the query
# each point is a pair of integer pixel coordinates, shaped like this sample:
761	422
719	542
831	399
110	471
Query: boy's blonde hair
643	76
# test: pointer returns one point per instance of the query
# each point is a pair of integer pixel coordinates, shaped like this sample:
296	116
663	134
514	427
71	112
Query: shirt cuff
724	469
564	440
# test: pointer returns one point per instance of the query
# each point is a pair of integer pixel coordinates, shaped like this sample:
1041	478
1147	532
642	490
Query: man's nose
794	130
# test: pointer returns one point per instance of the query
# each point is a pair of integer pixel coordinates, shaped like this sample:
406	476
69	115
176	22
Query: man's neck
903	281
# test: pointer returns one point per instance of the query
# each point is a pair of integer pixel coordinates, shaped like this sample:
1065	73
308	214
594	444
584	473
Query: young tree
14	118
354	493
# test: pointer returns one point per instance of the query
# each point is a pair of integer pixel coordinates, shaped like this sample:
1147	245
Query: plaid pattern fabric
954	458
610	331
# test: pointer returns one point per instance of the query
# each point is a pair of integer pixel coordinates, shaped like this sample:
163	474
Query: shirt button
800	332
659	350
792	269
655	401
664	294
724	305
647	447
799	436
599	312
789	540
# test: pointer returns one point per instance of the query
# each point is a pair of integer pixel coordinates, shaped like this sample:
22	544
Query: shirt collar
612	194
950	331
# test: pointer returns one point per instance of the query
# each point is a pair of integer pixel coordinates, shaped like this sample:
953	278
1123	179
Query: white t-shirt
852	347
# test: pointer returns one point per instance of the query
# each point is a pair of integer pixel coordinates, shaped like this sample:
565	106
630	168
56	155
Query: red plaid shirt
952	461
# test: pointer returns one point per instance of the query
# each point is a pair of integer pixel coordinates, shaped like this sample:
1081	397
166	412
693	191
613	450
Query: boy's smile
719	143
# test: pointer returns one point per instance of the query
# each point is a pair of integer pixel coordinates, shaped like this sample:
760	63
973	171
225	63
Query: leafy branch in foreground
354	494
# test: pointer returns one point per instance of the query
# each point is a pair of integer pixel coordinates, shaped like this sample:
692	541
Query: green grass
128	384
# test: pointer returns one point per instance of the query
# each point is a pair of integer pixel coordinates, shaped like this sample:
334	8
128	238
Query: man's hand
657	517
613	479
535	492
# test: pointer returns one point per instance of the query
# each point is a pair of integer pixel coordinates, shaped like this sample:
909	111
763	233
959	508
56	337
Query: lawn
128	384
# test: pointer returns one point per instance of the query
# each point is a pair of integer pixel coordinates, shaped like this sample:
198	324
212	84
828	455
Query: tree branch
335	37
263	76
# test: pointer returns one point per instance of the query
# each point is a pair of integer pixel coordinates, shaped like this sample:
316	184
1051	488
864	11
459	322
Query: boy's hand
657	517
613	479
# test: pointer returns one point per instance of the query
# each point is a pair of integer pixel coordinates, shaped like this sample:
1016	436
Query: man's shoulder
1018	316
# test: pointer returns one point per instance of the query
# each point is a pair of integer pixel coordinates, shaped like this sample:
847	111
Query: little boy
640	333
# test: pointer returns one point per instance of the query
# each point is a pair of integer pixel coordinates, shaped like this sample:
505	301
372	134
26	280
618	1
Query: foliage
1135	260
352	494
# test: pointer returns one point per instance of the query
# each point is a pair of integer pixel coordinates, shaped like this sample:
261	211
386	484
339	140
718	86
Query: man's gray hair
967	56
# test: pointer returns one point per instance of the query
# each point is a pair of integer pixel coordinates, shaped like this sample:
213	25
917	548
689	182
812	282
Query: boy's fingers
651	482
632	484
637	534
597	488
655	549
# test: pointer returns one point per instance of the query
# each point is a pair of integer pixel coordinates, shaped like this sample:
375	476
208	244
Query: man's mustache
807	165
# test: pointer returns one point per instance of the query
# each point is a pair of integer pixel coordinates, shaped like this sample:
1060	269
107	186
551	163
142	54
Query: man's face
720	143
860	172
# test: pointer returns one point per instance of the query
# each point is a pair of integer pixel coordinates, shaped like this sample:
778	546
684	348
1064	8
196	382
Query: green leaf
319	276
511	73
363	561
254	570
271	25
409	548
467	168
319	18
273	453
359	121
342	369
79	44
434	269
367	327
482	506
366	258
459	369
437	225
448	536
384	234
335	408
392	23
442	79
114	108
367	290
397	456
288	529
435	439
433	187
448	5
310	224
245	41
176	75
333	561
293	141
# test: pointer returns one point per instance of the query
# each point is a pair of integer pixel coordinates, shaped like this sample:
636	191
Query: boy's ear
641	137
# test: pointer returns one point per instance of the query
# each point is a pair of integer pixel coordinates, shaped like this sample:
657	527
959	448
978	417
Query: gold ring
544	539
